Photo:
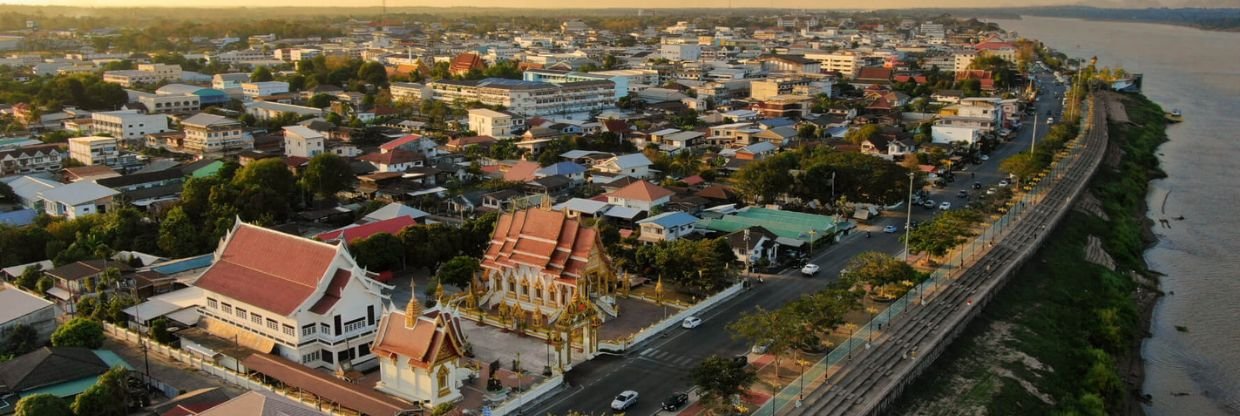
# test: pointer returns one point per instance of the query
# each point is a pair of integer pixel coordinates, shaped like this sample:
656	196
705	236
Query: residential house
209	134
62	371
301	141
264	88
303	300
636	165
22	308
497	124
74	281
77	199
641	195
130	126
396	160
32	159
668	226
264	110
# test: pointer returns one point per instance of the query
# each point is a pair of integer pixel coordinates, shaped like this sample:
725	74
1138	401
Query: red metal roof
547	240
434	336
400	142
268	269
354	233
642	191
352	396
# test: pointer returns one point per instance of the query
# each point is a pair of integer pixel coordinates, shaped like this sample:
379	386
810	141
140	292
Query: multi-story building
233	57
846	63
128	125
264	88
95	150
301	299
962	60
497	124
680	52
528	98
410	92
790	64
264	110
211	134
230	81
145	74
170	103
772	87
301	141
32	159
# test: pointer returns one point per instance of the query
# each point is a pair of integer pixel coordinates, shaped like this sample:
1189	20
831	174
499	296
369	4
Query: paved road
874	375
661	366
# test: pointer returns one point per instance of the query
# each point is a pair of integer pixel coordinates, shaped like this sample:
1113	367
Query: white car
1003	183
809	269
945	206
890	229
691	322
624	400
984	158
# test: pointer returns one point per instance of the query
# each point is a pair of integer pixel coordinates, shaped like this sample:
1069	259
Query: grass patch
1071	315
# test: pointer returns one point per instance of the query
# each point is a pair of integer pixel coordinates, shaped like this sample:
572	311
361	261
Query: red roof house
353	233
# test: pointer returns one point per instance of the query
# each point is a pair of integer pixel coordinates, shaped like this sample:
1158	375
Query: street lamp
812	233
1035	130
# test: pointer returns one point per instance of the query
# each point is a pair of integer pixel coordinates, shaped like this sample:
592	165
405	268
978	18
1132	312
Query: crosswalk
664	357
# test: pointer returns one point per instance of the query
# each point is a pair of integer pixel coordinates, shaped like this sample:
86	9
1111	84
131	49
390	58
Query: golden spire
412	309
439	294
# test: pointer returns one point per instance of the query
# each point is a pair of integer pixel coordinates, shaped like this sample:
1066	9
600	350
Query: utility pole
1035	129
908	221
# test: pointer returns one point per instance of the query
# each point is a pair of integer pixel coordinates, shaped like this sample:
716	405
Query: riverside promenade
872	377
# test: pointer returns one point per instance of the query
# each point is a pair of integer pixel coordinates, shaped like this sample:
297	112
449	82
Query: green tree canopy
719	380
458	271
79	332
380	252
861	134
261	74
42	404
20	339
327	174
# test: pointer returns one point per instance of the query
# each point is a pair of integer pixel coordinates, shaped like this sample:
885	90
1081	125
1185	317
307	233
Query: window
288	330
326	356
307	330
256	318
211	303
327	329
311	357
363	350
354	326
227	308
272	324
241	314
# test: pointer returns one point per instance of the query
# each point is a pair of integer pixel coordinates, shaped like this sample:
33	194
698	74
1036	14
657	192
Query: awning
355	397
790	242
221	329
187	316
59	293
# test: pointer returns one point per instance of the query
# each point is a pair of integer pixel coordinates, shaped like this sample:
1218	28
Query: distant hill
1221	19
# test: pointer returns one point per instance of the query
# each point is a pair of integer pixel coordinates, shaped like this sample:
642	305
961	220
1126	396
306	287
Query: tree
327	174
21	339
45	283
945	231
261	74
159	331
458	271
30	277
763	180
381	252
6	193
79	332
373	73
178	235
43	404
719	380
878	270
861	134
107	397
320	101
1024	165
777	329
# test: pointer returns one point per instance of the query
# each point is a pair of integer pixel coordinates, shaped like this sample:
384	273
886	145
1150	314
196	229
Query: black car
962	194
675	402
977	185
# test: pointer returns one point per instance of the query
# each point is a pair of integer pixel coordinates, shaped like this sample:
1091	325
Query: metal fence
861	337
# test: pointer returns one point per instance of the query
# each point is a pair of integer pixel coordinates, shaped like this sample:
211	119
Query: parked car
675	402
760	348
624	400
945	206
929	203
890	229
1004	182
962	194
984	158
691	322
809	269
991	191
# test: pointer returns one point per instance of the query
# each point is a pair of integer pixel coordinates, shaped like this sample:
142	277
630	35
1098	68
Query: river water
1195	372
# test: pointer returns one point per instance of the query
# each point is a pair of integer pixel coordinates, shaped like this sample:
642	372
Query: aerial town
409	214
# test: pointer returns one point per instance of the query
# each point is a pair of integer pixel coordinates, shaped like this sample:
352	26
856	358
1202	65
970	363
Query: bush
79	332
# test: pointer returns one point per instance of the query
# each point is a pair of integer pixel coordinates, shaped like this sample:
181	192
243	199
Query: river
1199	73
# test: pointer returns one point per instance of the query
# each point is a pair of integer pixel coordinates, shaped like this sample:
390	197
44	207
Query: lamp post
1034	140
812	233
908	221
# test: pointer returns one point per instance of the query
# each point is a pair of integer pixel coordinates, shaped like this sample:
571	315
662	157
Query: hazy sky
835	4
